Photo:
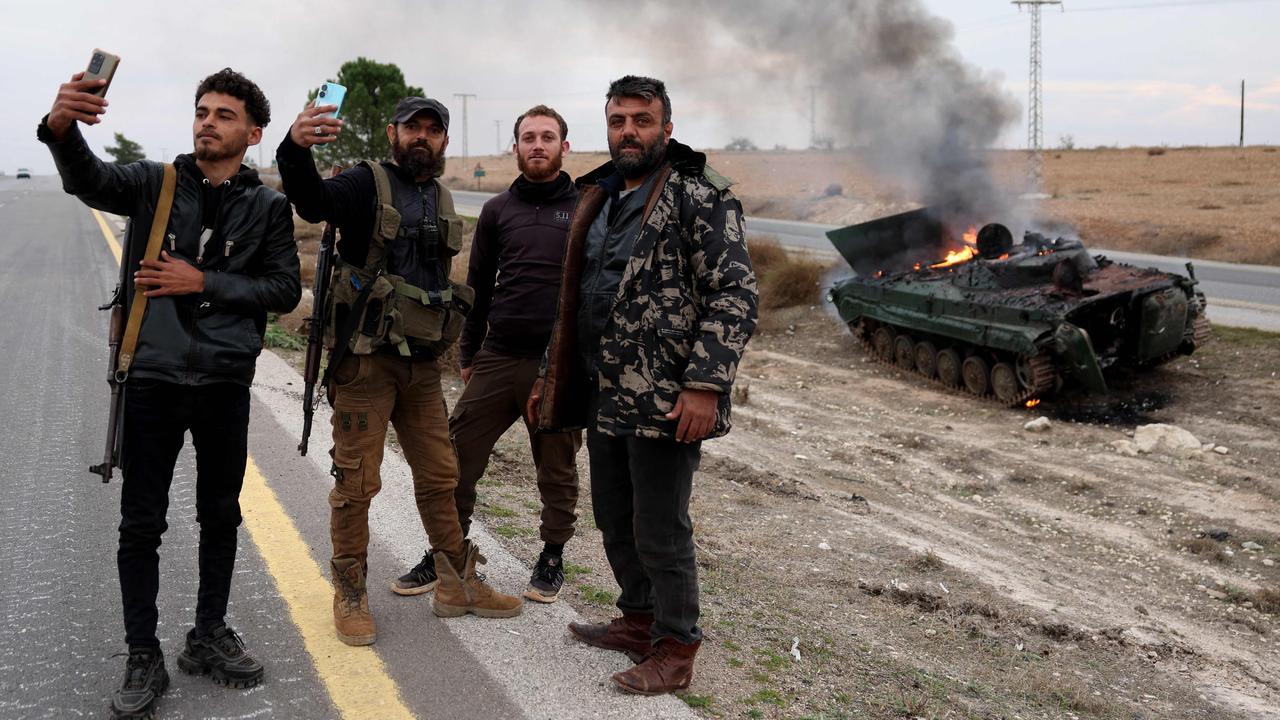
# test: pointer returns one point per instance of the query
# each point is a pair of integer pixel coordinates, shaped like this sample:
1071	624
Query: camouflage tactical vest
397	312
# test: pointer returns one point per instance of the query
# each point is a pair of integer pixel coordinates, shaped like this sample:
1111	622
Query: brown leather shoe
628	634
351	616
669	667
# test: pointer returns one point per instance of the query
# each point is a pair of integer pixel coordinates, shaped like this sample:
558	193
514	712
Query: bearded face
539	148
212	147
538	164
417	155
634	158
637	135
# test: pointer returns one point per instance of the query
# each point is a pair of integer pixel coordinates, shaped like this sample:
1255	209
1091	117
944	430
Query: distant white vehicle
24	173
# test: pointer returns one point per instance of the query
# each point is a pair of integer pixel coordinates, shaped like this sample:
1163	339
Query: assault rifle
123	336
315	327
111	455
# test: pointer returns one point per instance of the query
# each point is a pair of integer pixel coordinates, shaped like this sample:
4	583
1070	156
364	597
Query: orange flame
964	254
1033	402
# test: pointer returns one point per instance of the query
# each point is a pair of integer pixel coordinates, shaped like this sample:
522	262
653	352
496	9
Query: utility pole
1241	113
464	97
813	116
1035	107
497	135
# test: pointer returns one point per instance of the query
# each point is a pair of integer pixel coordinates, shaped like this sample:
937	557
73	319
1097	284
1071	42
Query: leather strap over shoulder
159	223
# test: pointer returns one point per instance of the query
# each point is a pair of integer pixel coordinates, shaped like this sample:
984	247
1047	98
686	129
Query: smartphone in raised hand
102	64
331	94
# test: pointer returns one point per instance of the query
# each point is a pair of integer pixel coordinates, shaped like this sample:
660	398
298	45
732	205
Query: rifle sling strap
159	223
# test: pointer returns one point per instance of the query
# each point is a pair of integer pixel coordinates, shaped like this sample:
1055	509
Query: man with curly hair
228	259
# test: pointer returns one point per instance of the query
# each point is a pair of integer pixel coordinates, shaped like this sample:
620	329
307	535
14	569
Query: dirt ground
873	547
925	556
1209	203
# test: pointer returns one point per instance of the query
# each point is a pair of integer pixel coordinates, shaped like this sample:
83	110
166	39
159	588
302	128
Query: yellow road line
356	679
106	233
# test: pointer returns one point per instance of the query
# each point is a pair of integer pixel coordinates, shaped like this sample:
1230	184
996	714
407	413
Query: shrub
784	281
793	283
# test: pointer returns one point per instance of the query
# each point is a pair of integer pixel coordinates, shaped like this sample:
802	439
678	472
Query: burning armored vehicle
1010	322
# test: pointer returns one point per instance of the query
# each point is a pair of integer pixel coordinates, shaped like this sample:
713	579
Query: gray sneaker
145	680
547	579
421	579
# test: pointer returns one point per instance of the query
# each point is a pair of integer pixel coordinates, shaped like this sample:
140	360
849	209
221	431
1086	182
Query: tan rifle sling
159	223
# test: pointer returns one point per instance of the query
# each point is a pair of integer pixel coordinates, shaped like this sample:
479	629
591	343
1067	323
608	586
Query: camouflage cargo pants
370	391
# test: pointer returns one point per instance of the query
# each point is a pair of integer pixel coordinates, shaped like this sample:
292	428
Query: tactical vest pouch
451	225
452	234
438	324
373	325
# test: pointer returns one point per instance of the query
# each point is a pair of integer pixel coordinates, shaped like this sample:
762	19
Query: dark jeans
640	491
156	417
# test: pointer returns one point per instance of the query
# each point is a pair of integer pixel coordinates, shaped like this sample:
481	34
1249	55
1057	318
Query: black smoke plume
892	82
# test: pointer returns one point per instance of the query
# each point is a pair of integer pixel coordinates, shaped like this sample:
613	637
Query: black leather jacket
250	264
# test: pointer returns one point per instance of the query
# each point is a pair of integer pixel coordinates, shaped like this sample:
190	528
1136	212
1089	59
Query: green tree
125	150
373	89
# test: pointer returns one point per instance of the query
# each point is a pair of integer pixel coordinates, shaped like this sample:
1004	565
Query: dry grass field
1208	203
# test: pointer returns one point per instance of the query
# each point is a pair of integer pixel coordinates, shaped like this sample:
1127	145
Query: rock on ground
1039	425
1167	439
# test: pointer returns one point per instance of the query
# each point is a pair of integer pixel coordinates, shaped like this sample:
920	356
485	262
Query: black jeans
156	417
640	490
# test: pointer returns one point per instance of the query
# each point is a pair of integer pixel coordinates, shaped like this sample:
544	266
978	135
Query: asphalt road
1239	295
58	589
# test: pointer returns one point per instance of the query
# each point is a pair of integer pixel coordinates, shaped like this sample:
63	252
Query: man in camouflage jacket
658	300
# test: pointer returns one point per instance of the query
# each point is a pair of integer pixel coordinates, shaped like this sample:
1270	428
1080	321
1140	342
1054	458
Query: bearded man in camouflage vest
657	302
395	312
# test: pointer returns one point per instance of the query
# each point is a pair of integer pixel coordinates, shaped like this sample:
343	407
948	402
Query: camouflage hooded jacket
684	311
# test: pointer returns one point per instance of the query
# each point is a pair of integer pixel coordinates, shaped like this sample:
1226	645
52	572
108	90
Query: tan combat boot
351	616
465	592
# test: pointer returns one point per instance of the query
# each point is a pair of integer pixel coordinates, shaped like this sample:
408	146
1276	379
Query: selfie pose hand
75	102
314	127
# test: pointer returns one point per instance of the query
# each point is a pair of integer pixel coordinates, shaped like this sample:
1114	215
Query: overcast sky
1127	72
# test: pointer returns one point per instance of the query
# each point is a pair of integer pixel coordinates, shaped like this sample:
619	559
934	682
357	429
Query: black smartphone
102	64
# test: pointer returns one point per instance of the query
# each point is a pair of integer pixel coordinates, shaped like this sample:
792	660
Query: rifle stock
111	454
